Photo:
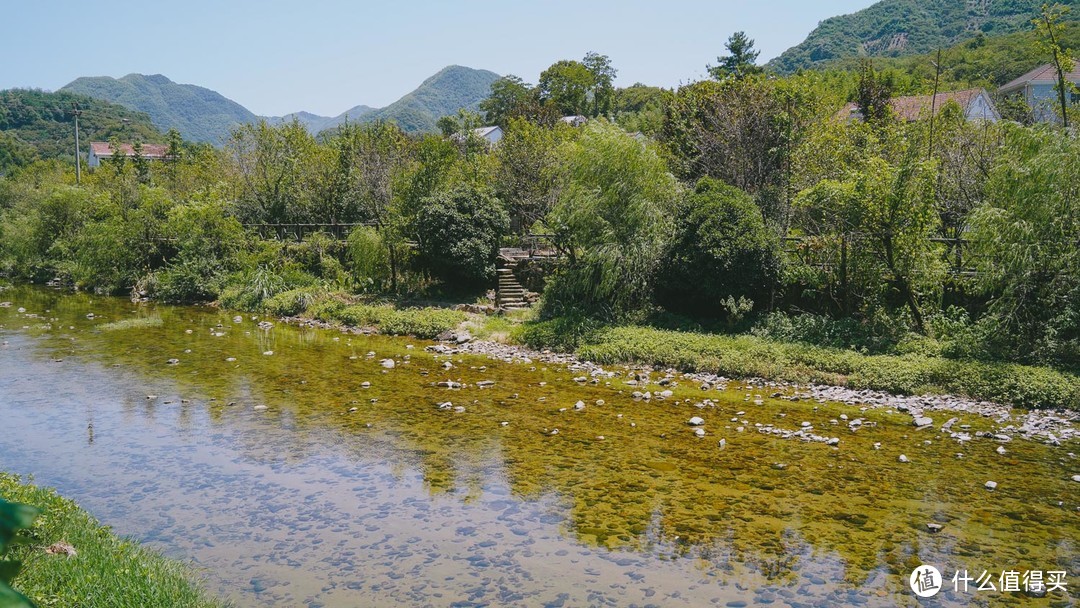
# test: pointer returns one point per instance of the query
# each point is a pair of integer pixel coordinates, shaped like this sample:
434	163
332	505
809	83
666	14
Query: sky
326	56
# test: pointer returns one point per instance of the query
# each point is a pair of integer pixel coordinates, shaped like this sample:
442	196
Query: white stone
695	421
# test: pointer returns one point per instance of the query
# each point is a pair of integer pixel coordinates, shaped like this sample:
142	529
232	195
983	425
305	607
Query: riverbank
888	377
71	559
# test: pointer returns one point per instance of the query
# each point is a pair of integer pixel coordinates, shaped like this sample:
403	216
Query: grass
107	571
750	356
135	323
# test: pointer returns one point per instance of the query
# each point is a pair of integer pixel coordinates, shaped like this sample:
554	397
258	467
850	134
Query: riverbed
309	467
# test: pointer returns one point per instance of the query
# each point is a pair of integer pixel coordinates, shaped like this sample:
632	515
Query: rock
268	352
990	485
599	402
843	416
554	432
230	359
264	325
460	409
485	383
581	379
353	409
700	432
448	384
504	423
695	421
259	408
903	458
238	319
833	441
722	444
949	423
173	361
665	394
61	548
935	528
1003	438
806	425
580	405
1001	450
462	337
445	405
1076	478
387	363
922	421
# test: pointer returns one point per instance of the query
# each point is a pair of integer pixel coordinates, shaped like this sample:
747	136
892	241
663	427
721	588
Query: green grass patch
134	323
106	571
751	356
420	322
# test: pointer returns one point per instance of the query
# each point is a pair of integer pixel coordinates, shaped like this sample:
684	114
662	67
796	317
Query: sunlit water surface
339	495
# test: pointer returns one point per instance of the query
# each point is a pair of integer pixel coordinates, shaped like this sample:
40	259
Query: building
1038	90
975	103
101	150
492	134
574	121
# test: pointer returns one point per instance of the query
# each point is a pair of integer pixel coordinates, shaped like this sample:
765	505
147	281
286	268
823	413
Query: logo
925	581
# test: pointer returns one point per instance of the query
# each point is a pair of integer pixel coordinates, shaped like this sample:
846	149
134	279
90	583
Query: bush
369	258
420	322
722	250
291	303
458	234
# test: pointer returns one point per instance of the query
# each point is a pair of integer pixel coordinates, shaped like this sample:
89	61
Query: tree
612	220
881	213
567	85
458	234
509	97
526	176
722	249
873	94
1050	24
1024	241
273	170
603	88
378	156
740	63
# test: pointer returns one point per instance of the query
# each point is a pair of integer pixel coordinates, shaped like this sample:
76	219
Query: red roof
102	149
910	108
1044	74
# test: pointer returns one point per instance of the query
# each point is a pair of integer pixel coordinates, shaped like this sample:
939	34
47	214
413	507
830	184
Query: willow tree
612	220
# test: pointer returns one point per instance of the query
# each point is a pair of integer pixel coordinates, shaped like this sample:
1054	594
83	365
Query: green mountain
895	28
199	114
450	89
979	62
36	124
316	123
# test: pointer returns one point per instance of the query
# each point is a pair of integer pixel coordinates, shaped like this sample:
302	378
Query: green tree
873	94
1051	26
526	175
612	220
1024	240
458	234
740	63
603	87
567	85
721	249
509	97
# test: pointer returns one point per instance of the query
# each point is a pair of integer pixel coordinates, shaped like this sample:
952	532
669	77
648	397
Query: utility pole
78	164
933	101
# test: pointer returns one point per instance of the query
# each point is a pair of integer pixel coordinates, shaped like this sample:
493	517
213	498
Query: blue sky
326	56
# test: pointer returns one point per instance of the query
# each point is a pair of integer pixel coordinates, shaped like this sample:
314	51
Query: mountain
450	89
316	123
199	114
895	28
36	124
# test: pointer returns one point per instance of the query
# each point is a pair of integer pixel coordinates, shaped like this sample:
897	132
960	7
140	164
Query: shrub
420	322
722	250
458	234
290	303
369	258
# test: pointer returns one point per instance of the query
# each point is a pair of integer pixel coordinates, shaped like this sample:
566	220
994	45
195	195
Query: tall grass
106	572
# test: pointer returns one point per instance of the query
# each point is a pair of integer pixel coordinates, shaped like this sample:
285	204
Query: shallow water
399	503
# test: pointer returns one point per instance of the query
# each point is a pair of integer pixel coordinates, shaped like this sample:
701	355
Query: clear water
399	503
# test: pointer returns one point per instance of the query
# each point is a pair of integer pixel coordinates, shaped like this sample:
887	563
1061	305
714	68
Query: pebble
723	443
1076	478
695	421
990	485
268	352
259	408
699	432
580	405
903	458
1001	449
387	363
934	527
922	421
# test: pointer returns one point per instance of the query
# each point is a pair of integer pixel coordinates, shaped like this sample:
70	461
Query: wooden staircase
509	294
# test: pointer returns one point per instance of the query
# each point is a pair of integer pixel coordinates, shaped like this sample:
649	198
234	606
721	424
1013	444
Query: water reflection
293	484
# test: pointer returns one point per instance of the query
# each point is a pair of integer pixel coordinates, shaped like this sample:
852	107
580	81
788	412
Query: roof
574	120
910	108
1044	74
485	131
103	149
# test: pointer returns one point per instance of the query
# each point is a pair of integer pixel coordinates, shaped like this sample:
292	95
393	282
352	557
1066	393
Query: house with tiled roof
101	150
1038	89
975	103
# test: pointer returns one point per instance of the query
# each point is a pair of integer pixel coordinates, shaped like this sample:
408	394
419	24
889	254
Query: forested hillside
450	89
199	114
36	124
896	28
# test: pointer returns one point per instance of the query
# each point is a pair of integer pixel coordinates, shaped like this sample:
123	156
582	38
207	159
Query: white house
491	134
1037	89
101	150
